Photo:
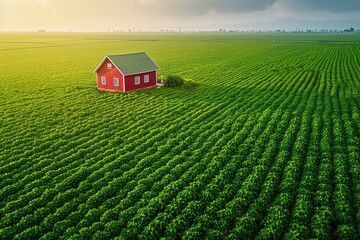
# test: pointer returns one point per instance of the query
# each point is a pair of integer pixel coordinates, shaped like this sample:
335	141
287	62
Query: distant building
126	72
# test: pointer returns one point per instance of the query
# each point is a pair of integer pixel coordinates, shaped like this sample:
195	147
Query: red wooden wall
110	75
130	81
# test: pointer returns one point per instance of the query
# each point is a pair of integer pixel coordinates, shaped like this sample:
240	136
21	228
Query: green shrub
173	81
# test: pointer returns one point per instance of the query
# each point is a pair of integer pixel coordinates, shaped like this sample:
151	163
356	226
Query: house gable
107	79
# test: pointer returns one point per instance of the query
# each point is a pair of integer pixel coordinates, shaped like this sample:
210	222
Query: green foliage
267	146
178	82
173	81
190	85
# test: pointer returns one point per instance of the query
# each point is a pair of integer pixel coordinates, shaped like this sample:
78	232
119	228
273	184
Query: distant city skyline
148	15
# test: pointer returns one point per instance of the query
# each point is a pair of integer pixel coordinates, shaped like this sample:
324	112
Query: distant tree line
297	30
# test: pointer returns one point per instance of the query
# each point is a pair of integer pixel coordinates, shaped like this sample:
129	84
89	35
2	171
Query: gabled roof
133	63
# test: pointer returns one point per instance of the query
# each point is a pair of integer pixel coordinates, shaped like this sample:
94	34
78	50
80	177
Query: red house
126	72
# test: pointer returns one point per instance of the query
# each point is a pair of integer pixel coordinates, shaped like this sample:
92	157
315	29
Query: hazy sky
98	15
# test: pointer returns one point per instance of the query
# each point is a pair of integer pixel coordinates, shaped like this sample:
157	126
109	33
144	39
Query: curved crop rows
267	147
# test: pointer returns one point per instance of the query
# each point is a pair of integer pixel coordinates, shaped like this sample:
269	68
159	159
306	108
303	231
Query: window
103	80
146	78
109	66
137	80
116	82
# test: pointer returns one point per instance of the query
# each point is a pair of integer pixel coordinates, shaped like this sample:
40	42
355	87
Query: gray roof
132	63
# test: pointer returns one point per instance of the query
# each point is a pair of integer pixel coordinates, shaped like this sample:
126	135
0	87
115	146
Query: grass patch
176	81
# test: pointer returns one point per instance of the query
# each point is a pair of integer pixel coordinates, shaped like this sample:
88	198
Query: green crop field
267	146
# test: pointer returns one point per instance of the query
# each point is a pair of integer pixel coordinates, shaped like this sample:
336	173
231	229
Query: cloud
188	8
1	14
43	2
193	8
203	7
88	9
333	6
101	14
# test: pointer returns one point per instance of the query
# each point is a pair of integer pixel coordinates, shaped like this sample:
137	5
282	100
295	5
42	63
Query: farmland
267	146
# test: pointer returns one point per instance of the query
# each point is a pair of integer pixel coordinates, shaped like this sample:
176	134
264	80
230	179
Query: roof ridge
124	54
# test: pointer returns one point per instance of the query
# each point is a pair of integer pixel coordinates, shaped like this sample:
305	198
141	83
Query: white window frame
137	80
146	78
103	80
109	66
116	82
